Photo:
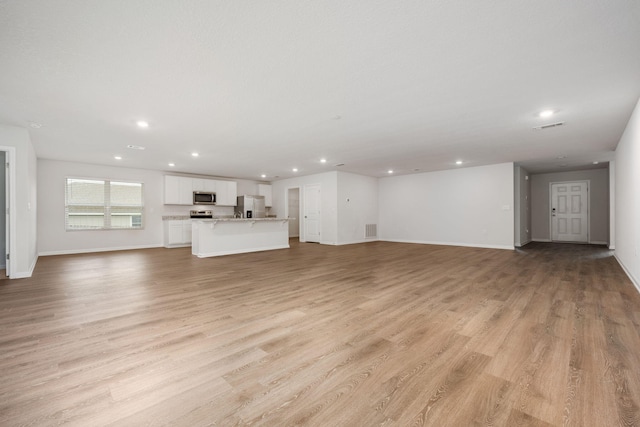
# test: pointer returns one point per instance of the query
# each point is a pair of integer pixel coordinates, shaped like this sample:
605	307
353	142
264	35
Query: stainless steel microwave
204	198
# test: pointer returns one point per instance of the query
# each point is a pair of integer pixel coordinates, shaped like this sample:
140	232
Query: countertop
239	219
175	217
222	218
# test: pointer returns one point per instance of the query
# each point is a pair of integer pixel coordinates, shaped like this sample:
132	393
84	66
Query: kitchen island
226	236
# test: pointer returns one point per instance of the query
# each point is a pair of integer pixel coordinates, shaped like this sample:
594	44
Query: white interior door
311	208
569	212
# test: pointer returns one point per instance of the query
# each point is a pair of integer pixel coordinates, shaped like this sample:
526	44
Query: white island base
216	237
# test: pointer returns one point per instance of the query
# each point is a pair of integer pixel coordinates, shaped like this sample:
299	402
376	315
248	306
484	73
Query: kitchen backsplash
184	210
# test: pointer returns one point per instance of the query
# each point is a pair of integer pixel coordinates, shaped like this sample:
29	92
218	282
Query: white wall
463	207
54	239
598	203
357	206
23	169
52	236
627	198
32	205
328	204
612	204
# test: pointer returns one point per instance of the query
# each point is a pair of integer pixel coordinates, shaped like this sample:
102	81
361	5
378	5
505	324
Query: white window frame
106	182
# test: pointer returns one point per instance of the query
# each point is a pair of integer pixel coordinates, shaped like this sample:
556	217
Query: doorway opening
293	212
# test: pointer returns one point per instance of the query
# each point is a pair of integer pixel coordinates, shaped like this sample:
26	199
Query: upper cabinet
178	190
265	190
200	184
226	193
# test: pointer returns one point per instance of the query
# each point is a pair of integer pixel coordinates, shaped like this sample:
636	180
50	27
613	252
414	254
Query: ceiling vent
550	125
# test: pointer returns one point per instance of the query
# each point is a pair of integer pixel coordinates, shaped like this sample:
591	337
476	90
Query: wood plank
376	334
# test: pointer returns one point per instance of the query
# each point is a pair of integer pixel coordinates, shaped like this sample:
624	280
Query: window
92	204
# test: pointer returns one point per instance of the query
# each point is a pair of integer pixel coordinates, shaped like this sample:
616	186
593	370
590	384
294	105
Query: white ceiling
264	86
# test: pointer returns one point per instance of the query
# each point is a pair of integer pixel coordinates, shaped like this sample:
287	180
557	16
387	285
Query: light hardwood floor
376	334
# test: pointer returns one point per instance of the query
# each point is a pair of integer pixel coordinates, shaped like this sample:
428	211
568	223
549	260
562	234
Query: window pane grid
103	205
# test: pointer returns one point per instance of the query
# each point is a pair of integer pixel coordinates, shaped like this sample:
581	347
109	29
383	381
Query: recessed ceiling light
295	169
390	171
561	157
135	147
172	164
35	125
546	113
323	160
117	157
142	124
595	163
194	154
263	176
458	162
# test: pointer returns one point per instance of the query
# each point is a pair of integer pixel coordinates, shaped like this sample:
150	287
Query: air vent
135	147
370	231
550	125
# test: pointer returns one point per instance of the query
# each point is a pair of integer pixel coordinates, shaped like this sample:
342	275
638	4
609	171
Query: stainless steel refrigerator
251	206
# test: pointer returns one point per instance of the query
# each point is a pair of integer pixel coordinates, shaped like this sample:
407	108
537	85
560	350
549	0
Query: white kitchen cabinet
265	190
202	184
232	193
178	190
210	185
226	193
186	231
171	190
197	184
177	233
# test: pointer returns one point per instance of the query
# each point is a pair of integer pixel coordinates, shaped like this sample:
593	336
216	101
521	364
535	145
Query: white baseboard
591	242
181	245
354	242
628	273
241	251
21	275
25	274
526	242
467	245
86	251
